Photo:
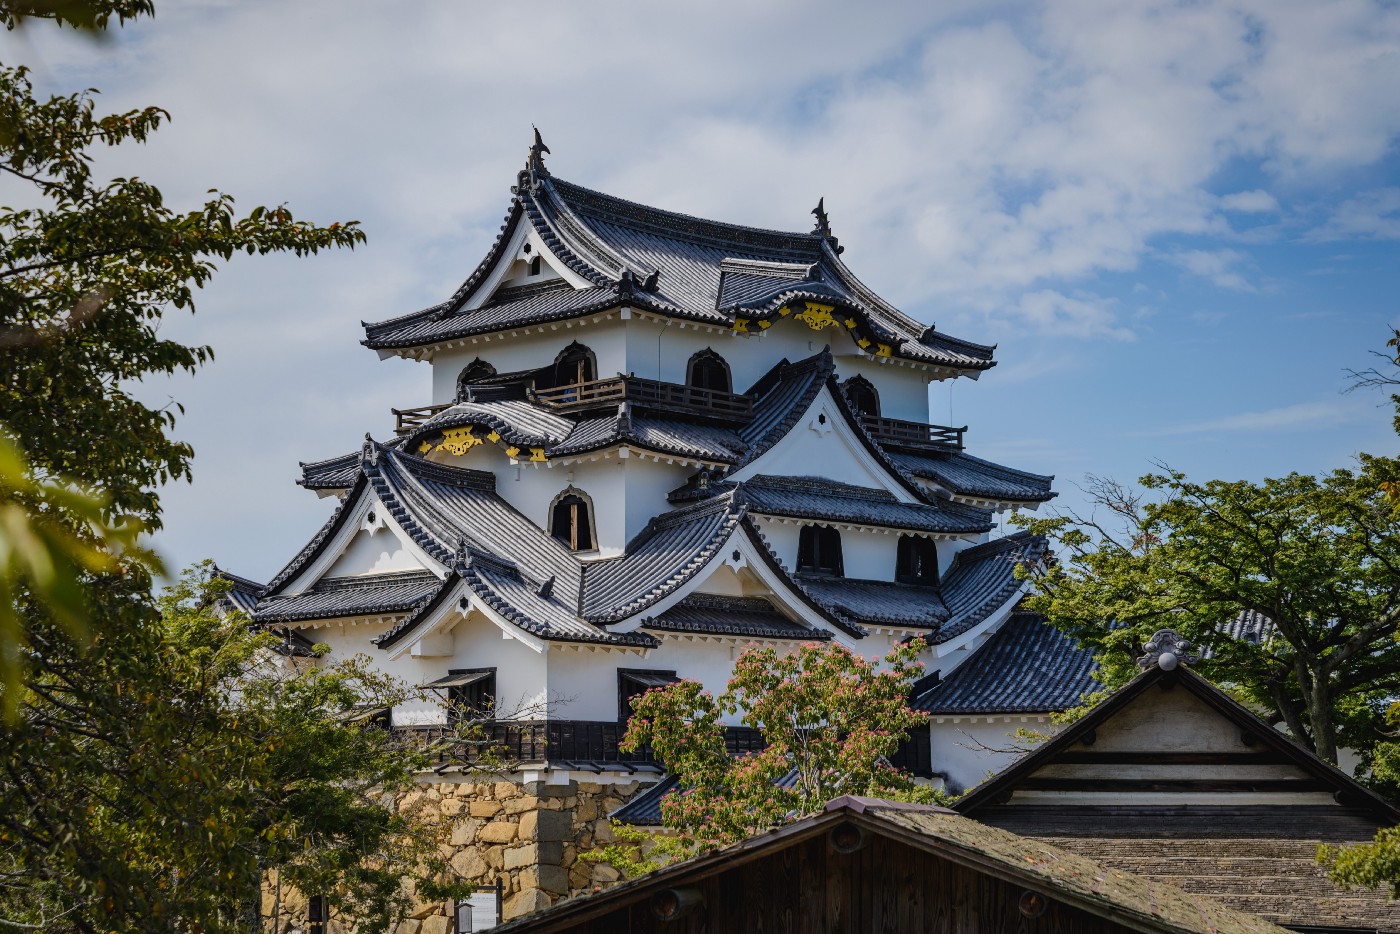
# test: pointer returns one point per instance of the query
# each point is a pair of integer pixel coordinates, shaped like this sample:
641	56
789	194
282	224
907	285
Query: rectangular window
471	692
634	682
819	551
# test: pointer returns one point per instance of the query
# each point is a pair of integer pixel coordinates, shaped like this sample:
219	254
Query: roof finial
823	223
535	163
1167	649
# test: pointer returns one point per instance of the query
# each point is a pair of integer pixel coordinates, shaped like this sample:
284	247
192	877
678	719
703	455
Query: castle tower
652	440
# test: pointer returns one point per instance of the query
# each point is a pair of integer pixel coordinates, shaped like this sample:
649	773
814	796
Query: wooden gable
1171	778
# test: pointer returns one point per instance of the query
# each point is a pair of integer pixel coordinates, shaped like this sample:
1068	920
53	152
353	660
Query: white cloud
985	165
1285	418
1371	215
1218	266
1257	201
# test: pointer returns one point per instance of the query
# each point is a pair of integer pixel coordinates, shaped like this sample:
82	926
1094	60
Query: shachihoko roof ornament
1167	649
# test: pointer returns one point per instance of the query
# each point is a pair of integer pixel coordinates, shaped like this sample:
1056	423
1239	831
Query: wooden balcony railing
595	743
409	419
648	393
916	434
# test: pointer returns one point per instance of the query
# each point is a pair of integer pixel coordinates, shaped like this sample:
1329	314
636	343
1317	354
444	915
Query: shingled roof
717	615
1028	666
675	265
963	475
899	880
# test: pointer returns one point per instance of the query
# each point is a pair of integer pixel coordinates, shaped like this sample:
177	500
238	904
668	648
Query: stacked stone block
527	834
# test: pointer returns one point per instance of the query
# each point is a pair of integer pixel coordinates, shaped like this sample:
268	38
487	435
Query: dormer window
576	364
571	520
917	561
473	372
819	551
862	396
707	370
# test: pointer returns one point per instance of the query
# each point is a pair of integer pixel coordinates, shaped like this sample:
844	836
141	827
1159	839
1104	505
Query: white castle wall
967	749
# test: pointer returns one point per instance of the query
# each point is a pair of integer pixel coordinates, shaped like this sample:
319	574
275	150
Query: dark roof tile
1028	666
713	614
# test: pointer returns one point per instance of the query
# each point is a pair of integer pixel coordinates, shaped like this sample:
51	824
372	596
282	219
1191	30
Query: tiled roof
1280	880
334	597
441	323
825	500
712	614
983	578
875	603
667	553
672	264
964	475
242	594
645	809
1028	666
515	420
337	473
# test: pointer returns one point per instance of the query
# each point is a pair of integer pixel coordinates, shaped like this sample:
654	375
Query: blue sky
1179	221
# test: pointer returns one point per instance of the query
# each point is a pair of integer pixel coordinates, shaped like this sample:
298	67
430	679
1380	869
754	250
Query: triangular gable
360	537
742	550
1171	737
511	265
826	441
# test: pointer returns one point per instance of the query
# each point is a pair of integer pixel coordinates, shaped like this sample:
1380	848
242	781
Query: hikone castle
652	441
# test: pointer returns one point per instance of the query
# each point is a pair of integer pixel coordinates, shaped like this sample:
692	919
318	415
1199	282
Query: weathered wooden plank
1179	786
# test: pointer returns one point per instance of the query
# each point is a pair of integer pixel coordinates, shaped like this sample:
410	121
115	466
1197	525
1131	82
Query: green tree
1319	557
147	774
169	806
830	721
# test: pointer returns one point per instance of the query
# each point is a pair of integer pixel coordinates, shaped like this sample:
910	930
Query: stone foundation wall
527	834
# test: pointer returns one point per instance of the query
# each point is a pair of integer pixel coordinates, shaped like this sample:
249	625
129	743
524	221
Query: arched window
473	372
535	266
917	562
707	370
862	396
819	550
576	364
571	520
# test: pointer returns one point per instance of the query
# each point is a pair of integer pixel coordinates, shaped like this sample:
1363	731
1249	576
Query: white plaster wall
379	552
867	555
523	351
476	643
968	749
825	448
903	390
644	485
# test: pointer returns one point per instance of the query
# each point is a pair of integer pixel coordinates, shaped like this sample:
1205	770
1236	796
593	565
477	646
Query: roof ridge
370	581
465	477
996	546
821	484
611	209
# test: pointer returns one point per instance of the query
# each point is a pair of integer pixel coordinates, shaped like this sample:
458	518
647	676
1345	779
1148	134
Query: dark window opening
634	682
575	365
473	372
317	914
917	562
471	693
707	370
535	266
862	396
571	522
819	550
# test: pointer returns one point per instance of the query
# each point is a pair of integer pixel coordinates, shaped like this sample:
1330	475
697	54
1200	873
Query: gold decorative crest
458	441
817	316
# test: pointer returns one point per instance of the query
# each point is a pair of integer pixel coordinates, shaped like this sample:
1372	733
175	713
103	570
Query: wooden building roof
871	865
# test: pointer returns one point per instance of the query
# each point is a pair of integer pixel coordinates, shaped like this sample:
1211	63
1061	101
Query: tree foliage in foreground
144	809
1319	557
830	719
151	770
